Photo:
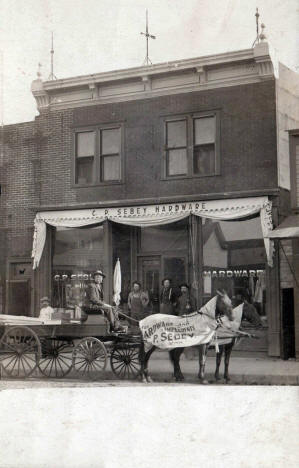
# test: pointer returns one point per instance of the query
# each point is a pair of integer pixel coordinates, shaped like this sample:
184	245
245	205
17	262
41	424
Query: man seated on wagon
95	301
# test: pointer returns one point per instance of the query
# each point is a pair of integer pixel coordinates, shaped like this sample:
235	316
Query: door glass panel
150	277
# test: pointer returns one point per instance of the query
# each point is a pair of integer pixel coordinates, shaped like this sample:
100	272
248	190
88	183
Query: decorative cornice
213	71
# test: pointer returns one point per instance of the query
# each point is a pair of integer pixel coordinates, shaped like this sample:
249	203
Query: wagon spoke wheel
90	358
56	358
20	352
125	362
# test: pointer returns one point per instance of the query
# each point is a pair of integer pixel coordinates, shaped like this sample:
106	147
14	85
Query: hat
184	284
99	273
166	279
45	299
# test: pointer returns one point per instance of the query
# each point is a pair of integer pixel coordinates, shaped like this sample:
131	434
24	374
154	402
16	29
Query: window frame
97	173
190	117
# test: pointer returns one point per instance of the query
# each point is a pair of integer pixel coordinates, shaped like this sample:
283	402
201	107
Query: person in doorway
138	301
46	310
95	301
186	302
167	298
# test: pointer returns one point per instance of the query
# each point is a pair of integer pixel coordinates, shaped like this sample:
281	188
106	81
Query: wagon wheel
125	362
56	358
20	352
90	358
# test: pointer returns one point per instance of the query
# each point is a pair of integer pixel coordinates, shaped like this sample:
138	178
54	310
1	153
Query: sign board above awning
151	215
288	229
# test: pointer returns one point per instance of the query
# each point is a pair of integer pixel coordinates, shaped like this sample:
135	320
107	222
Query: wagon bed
56	349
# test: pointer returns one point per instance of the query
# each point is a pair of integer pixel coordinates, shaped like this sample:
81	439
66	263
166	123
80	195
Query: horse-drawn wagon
55	350
28	347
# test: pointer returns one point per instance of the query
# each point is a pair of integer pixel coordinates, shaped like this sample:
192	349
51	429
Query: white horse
207	320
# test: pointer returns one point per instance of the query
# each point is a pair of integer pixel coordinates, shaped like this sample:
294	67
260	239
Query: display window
76	254
234	258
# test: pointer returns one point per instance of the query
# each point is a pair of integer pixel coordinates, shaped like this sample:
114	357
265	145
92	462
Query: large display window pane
234	259
77	252
170	237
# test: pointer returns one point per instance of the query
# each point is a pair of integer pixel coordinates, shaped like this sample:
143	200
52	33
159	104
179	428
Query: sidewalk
248	370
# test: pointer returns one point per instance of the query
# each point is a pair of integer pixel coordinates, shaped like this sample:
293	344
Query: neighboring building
288	234
172	168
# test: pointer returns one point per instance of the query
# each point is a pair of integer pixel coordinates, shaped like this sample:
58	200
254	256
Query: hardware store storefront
210	245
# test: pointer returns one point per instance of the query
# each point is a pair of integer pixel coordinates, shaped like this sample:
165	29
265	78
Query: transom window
191	147
98	155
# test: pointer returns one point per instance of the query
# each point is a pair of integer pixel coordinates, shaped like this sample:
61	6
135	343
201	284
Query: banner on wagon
168	331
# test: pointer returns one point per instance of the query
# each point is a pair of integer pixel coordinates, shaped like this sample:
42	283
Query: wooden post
107	262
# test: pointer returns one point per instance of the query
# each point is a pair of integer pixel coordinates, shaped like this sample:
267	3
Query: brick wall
247	146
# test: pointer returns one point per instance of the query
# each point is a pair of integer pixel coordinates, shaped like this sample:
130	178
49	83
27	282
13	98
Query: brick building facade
198	131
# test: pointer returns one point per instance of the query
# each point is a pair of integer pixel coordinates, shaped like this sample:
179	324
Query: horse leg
175	355
145	370
203	351
228	350
218	361
142	356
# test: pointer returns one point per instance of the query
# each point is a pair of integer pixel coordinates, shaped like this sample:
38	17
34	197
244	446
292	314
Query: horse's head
224	305
250	314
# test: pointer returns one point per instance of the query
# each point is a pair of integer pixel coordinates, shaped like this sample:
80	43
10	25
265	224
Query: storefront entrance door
149	275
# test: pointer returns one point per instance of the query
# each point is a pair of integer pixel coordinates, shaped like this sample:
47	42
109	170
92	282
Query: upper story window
98	155
192	145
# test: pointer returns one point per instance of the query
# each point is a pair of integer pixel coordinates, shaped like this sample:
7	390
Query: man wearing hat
186	303
95	300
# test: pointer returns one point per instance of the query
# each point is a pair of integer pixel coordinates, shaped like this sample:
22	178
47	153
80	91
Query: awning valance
151	215
288	229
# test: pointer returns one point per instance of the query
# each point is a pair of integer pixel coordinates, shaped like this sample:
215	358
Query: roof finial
52	76
39	71
147	60
262	35
257	39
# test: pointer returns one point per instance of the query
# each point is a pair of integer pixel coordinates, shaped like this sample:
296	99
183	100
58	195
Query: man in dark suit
95	301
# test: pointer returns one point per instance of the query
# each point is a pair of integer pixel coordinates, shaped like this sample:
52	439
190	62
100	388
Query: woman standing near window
138	301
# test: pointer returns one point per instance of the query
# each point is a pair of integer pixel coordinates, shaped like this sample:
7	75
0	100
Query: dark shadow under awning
288	229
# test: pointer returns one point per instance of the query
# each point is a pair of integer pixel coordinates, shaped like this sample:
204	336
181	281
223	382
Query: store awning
288	229
152	215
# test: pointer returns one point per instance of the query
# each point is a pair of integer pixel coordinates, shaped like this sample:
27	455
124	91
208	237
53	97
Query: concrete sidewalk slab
243	370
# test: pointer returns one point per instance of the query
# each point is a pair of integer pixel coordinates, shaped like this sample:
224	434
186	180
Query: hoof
179	379
149	379
144	380
203	381
227	378
217	378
